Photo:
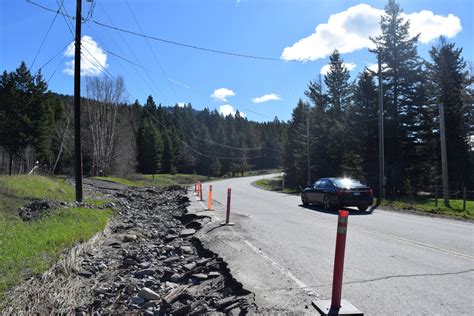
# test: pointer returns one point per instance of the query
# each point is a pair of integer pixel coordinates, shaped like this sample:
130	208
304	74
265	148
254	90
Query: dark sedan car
338	192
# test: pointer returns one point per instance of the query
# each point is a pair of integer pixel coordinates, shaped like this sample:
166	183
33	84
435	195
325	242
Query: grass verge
274	184
158	180
31	247
428	205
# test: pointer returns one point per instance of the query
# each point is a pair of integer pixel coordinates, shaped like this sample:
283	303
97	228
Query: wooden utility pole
77	105
444	156
307	150
381	134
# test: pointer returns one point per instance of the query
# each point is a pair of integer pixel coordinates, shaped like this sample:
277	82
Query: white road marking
298	282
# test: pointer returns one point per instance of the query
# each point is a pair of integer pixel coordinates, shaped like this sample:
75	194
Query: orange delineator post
228	206
339	259
209	198
336	306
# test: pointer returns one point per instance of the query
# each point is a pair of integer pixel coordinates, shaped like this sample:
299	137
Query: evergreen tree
449	81
401	77
26	114
341	161
363	125
295	149
150	148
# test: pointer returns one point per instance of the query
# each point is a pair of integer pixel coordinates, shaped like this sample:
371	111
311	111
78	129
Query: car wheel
362	208
304	199
327	202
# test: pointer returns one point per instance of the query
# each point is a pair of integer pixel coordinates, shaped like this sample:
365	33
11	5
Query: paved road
396	264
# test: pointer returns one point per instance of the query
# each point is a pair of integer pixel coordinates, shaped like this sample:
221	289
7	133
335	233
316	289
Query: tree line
342	116
123	139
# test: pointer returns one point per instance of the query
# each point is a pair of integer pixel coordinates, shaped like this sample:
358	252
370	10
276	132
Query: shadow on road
352	211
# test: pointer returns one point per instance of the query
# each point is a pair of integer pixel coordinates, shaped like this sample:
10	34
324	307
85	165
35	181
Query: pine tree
363	125
448	76
401	78
341	161
296	156
26	114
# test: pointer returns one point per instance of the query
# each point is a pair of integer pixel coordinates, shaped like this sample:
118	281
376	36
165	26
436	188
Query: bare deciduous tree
103	96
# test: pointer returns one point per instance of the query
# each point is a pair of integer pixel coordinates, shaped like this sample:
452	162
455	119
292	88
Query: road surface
396	263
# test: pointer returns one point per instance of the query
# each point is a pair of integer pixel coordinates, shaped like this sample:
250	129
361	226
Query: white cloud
266	97
325	68
222	94
181	104
227	109
375	67
431	26
350	30
93	59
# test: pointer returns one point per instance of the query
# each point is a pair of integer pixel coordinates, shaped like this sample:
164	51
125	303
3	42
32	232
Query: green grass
158	180
274	184
428	205
419	204
31	247
167	180
33	186
130	183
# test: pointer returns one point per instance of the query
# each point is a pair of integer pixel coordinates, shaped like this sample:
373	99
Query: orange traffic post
227	217
336	306
209	198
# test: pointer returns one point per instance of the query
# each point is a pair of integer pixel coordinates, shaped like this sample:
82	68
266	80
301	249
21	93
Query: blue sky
299	32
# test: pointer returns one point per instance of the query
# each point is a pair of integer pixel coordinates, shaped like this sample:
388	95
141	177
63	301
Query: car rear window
348	183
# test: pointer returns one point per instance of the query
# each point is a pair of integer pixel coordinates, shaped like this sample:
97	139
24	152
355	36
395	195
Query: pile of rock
38	208
152	264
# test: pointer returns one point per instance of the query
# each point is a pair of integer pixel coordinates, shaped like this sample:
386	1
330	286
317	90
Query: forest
123	139
333	131
342	116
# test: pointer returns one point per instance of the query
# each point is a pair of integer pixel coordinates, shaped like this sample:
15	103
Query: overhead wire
45	37
135	56
210	50
193	149
59	64
152	51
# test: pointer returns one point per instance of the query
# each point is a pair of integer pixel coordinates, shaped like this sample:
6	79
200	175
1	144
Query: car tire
362	208
304	199
327	203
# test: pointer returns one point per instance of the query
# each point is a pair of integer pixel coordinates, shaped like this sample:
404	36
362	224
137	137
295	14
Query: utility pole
444	156
381	134
307	150
77	105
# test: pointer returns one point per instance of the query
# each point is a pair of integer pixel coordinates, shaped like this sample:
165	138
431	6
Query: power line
45	36
209	50
59	64
195	150
114	54
56	55
152	51
136	58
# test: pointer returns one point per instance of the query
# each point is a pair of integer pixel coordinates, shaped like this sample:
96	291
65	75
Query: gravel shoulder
147	261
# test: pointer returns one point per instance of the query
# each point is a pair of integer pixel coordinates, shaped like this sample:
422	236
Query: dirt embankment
145	262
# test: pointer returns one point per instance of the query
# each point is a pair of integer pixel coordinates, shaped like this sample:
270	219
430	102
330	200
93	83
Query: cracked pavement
396	263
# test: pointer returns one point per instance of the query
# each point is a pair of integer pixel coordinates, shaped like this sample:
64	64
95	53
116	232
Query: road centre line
375	232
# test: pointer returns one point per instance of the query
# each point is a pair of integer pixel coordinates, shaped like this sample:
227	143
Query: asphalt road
395	264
